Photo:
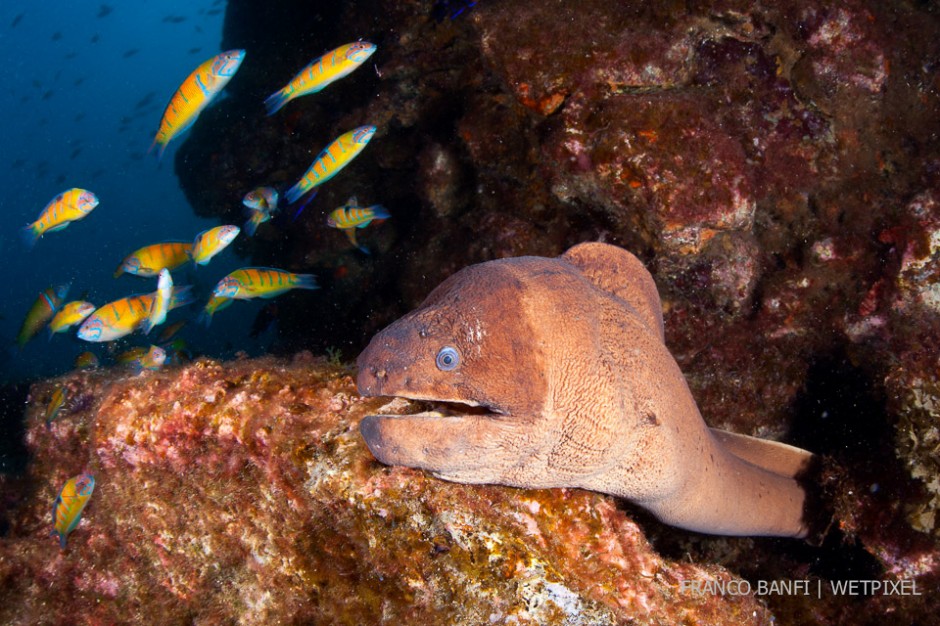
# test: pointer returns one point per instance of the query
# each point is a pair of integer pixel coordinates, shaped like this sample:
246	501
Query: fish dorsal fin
773	456
618	272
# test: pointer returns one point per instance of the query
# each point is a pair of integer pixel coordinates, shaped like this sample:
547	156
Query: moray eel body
554	373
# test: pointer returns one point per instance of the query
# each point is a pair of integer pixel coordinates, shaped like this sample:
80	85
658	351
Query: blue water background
73	80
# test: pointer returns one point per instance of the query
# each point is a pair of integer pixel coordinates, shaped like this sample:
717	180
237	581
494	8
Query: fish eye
447	358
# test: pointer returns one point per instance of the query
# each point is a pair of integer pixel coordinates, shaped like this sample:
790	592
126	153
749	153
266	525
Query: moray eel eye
447	359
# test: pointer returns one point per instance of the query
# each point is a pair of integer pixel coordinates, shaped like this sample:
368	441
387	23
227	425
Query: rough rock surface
760	156
241	492
776	164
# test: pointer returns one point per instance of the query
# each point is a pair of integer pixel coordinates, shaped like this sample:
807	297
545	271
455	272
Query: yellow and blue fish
161	302
43	309
130	355
68	507
148	359
331	160
210	242
122	317
56	402
322	71
65	208
261	282
261	203
215	303
351	216
69	315
149	260
195	94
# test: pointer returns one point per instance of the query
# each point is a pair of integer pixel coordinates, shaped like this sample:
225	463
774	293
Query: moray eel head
478	374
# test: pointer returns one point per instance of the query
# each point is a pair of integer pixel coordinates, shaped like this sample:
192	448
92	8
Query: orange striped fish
130	355
67	207
122	317
351	216
210	242
215	303
149	260
45	306
328	163
261	282
261	204
68	507
70	314
195	94
322	71
56	402
153	360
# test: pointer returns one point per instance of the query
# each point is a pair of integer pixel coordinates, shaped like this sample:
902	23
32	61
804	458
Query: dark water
84	87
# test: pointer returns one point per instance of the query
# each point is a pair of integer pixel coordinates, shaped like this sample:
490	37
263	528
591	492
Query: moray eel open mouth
422	407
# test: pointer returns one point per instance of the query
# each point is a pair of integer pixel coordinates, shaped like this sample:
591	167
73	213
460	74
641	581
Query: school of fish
143	312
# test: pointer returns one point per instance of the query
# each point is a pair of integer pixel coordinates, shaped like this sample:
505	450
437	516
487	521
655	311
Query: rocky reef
776	164
241	492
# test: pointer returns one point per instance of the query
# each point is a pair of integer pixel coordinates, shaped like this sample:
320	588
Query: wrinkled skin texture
565	360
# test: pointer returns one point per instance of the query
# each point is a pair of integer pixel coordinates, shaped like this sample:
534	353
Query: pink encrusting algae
242	492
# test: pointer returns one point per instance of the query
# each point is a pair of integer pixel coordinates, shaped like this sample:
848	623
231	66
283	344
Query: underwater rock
242	492
768	161
901	317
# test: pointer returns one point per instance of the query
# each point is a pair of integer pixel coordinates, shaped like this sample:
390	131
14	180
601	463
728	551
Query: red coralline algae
775	164
241	492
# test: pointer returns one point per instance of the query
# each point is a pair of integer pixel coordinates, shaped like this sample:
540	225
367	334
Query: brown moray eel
556	374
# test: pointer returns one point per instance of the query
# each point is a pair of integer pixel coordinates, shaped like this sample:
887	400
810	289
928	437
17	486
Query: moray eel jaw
432	439
420	430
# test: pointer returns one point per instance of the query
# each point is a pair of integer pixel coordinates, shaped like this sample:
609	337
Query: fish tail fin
313	194
380	212
63	540
51	332
306	281
204	318
293	194
252	224
182	295
160	147
364	250
275	101
146	326
29	235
